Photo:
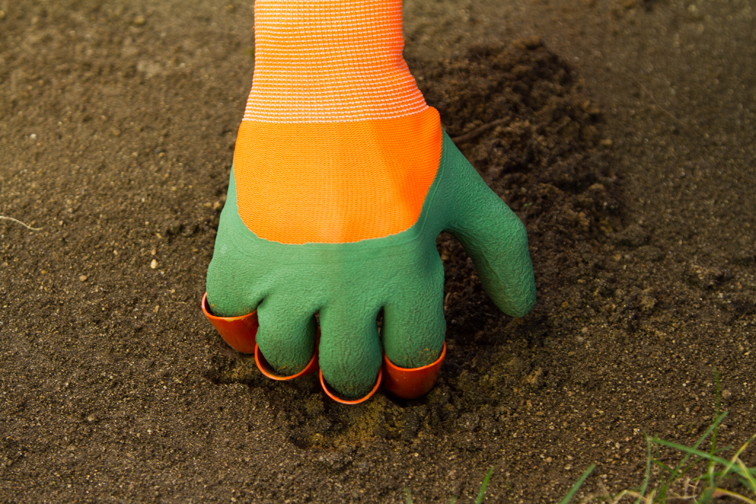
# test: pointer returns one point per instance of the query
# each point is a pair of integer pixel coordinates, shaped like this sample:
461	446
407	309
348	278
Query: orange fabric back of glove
337	143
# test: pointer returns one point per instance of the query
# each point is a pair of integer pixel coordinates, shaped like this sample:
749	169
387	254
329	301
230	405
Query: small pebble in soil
153	264
82	278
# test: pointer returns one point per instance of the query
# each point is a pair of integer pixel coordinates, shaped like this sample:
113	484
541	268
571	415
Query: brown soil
622	133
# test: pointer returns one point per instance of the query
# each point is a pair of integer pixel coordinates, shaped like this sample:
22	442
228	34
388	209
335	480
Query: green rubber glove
349	284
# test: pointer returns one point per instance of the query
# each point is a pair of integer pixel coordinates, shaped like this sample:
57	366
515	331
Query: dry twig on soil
27	226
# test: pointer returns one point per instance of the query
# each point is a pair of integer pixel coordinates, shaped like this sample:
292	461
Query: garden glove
342	179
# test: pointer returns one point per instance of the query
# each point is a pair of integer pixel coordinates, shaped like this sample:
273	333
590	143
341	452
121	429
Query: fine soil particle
117	128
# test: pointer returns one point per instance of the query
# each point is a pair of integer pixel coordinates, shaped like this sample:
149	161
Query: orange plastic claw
265	368
239	332
411	383
355	401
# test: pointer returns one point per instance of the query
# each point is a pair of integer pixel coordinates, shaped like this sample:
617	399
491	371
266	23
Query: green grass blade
692	451
747	475
717	405
711	431
685	470
682	467
407	496
483	486
577	485
738	469
708	495
647	477
695	462
712	428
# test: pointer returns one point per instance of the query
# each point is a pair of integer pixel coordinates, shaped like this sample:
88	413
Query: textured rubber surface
350	283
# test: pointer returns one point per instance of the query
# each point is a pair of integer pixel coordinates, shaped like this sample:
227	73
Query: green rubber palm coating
349	284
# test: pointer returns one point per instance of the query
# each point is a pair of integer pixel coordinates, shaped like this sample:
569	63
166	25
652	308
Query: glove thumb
491	234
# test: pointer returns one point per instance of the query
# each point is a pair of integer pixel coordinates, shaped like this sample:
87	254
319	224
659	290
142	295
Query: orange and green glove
342	179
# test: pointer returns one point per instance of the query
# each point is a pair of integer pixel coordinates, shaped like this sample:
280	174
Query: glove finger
492	235
228	292
286	336
350	350
413	321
